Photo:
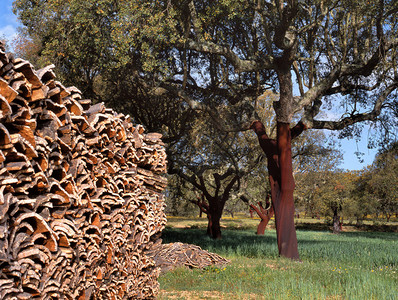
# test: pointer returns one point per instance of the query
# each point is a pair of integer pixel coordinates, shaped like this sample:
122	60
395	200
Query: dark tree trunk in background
214	214
213	205
213	211
388	216
230	212
280	172
336	221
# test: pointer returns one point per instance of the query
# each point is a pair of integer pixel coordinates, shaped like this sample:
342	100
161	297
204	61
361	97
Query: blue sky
9	24
8	21
349	147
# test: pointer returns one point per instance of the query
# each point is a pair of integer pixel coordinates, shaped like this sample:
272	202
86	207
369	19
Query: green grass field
352	265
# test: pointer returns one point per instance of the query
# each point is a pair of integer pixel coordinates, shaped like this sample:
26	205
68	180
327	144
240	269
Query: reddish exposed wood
80	193
279	162
265	213
284	208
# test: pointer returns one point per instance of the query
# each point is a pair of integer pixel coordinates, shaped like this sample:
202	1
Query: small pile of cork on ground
80	193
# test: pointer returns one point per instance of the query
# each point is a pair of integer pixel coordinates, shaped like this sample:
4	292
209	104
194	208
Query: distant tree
29	47
364	201
213	163
336	195
317	154
306	193
74	35
383	182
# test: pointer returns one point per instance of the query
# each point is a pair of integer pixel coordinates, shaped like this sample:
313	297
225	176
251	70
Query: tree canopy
218	57
210	54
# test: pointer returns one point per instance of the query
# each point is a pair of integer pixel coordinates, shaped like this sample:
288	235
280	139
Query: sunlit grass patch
347	266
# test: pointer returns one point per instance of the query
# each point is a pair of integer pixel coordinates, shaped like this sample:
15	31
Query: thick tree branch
192	180
346	87
297	129
318	90
203	206
285	35
359	117
240	65
367	68
229	187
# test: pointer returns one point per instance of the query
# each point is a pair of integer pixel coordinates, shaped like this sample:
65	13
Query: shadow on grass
312	226
360	248
233	242
389	236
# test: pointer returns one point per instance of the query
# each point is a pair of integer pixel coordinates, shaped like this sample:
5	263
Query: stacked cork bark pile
80	193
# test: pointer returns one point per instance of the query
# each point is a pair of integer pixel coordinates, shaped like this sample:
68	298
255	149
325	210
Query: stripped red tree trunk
280	170
265	214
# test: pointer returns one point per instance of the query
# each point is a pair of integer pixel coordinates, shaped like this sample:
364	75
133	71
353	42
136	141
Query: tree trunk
264	221
280	172
214	217
283	202
336	221
265	215
214	227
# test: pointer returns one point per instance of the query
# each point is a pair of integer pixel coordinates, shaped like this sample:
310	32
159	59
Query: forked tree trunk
215	204
265	214
265	217
388	216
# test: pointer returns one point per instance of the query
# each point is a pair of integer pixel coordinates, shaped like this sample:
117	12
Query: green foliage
382	181
194	69
370	192
178	195
89	39
75	35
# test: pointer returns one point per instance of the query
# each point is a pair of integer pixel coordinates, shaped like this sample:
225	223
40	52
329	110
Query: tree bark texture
213	209
214	226
336	221
282	184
